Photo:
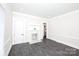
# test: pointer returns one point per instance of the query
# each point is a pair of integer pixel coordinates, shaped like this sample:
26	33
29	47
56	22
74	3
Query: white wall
23	25
6	29
2	18
65	29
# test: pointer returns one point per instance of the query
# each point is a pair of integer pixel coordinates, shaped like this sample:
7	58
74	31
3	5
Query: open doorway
45	31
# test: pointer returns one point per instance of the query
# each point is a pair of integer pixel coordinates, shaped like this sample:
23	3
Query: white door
18	31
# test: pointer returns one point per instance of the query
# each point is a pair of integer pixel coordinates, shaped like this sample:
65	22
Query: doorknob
22	34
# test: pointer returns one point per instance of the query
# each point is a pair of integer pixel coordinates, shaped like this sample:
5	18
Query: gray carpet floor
45	48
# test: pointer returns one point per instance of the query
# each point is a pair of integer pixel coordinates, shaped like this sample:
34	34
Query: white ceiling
44	9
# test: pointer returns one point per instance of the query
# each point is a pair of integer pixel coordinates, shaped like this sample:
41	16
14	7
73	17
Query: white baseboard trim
67	40
7	47
35	41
